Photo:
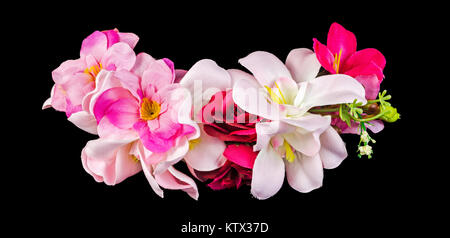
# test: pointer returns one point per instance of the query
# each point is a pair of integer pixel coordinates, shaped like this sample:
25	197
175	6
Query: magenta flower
339	56
148	104
236	171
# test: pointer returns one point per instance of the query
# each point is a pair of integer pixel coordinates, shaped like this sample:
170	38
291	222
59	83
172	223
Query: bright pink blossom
339	56
75	79
148	103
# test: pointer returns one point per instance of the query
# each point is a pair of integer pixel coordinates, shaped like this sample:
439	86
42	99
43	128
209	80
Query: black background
53	194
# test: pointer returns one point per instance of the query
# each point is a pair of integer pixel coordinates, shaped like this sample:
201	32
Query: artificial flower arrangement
230	127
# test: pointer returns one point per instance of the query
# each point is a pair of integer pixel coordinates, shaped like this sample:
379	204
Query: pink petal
341	39
268	173
366	69
108	130
129	81
175	180
125	165
325	57
112	36
107	98
119	56
158	75
123	113
371	84
364	57
130	38
305	173
179	74
68	68
148	172
242	155
143	61
95	44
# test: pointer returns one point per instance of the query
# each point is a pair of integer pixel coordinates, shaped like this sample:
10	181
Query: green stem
318	110
368	119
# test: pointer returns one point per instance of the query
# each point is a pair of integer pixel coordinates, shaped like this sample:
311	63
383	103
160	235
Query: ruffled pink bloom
75	79
339	56
236	171
147	108
112	161
148	104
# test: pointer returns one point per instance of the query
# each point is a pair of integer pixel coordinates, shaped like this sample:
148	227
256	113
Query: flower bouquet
230	127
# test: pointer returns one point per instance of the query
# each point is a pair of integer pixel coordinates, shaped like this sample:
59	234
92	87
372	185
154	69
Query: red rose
223	119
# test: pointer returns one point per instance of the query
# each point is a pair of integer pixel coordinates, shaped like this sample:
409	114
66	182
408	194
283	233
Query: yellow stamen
134	158
290	156
93	70
149	109
337	61
274	96
193	143
281	94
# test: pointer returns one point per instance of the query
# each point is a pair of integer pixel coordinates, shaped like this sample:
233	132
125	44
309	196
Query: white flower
365	150
308	141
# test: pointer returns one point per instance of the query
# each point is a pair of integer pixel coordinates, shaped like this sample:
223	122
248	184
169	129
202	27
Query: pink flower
339	56
148	103
236	171
75	79
112	161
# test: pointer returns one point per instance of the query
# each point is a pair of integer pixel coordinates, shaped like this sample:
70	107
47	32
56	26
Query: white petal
266	67
332	151
252	98
310	122
305	174
268	173
204	79
207	154
307	143
331	90
303	64
266	130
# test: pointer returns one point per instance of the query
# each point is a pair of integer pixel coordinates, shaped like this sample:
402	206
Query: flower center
149	109
337	61
93	71
277	98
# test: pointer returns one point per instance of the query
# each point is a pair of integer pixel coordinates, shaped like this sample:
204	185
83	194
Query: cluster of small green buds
390	115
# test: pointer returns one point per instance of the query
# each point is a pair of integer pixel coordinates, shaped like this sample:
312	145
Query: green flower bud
390	113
